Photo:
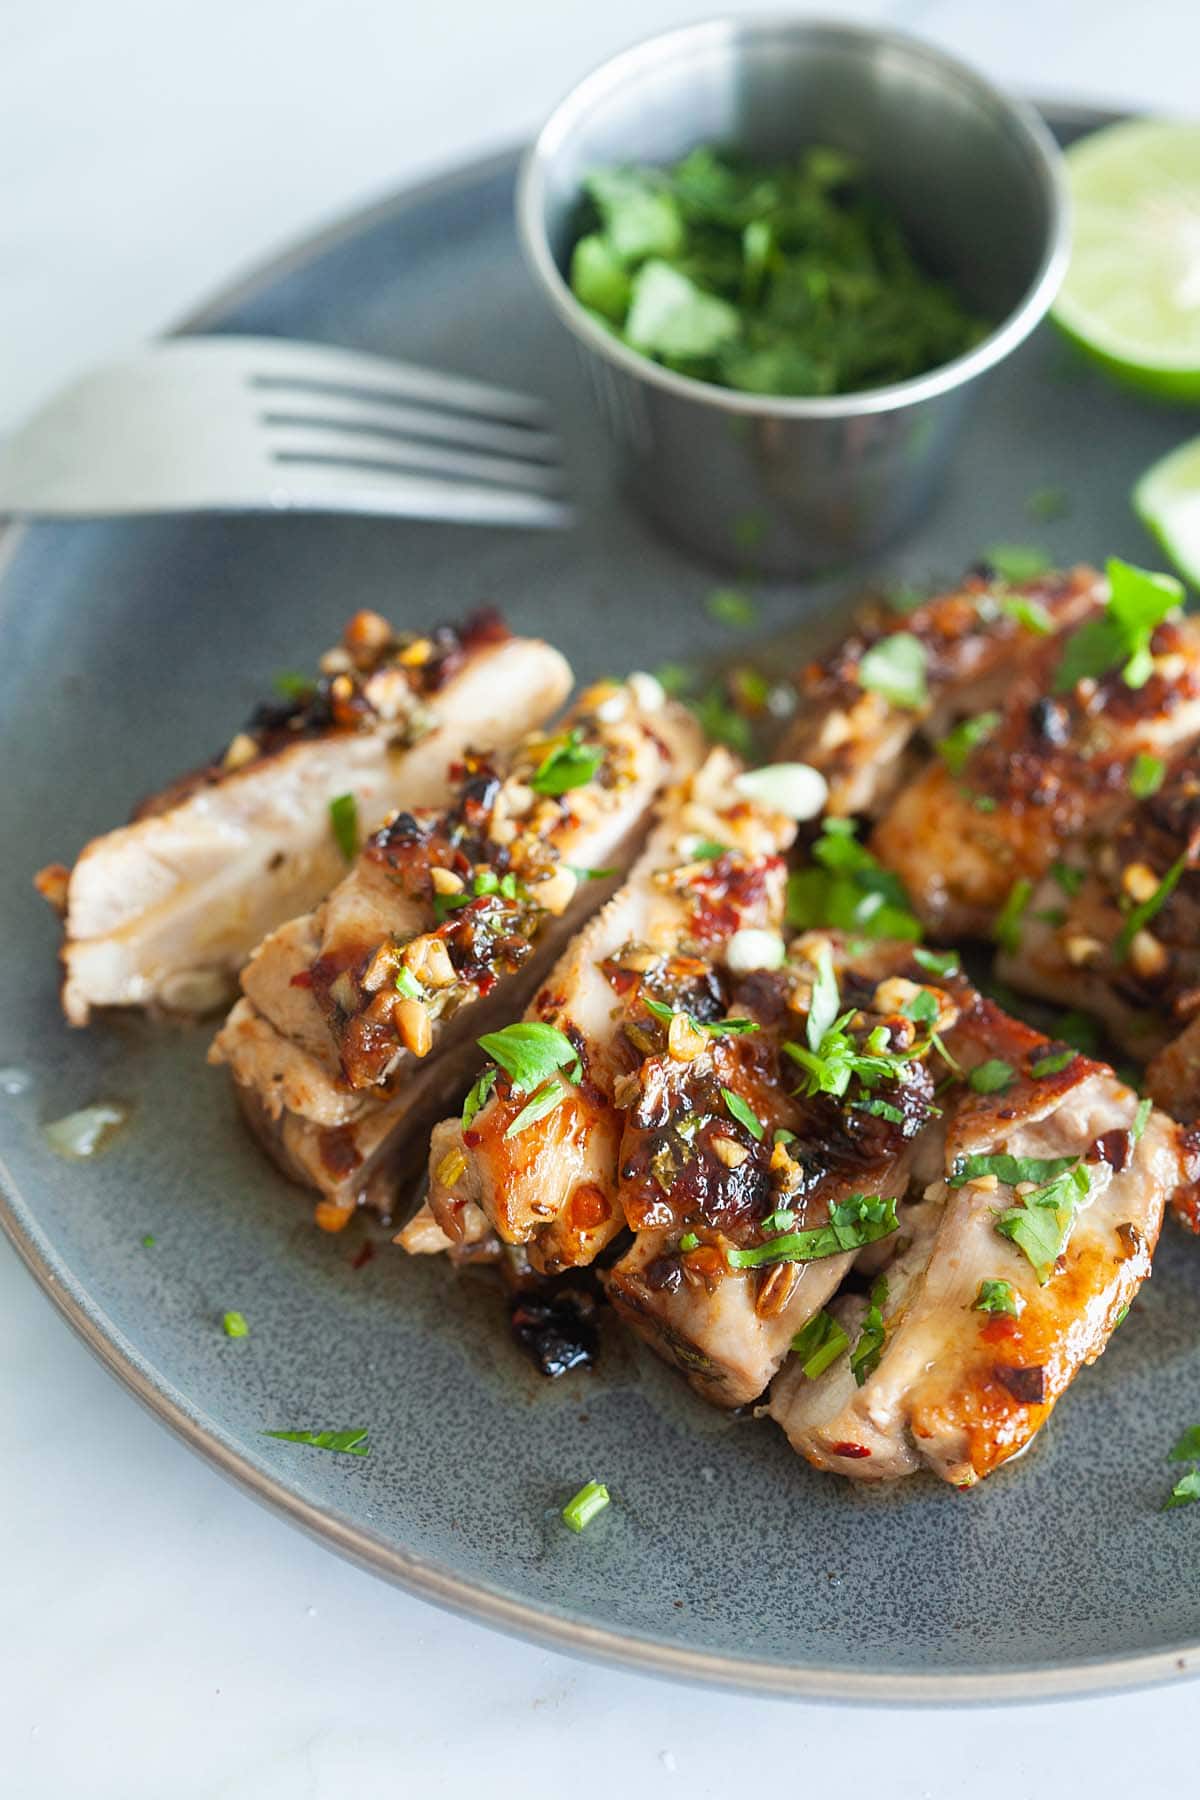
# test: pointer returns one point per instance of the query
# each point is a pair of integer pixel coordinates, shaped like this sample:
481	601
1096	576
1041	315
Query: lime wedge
1167	501
1131	298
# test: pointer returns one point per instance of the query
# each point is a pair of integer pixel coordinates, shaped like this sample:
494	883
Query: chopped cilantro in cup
788	278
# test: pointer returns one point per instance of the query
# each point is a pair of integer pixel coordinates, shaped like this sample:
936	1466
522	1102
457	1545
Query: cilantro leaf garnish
920	1007
1141	915
1069	880
744	1114
861	1219
1007	928
850	890
529	1052
1185	1492
1029	613
1146	775
568	764
1016	562
1048	503
730	606
1139	601
343	821
864	1358
478	1097
1052	1063
234	1325
782	1219
639	213
346	1443
714	1027
1141	1119
1080	1029
996	1297
672	318
291	686
992	1077
1041	1223
819	1344
880	1109
938	962
895	667
1187	1447
1010	1169
543	1102
956	747
831	1057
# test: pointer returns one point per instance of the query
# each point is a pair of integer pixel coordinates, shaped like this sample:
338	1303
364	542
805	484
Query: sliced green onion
583	1507
343	819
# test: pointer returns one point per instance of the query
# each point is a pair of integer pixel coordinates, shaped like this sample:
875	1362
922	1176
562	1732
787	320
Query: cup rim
1020	119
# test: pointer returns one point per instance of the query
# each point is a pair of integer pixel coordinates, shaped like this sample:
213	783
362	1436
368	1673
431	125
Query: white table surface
160	1634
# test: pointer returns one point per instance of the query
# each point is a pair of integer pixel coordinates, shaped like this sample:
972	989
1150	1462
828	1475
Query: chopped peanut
413	655
685	1041
367	631
329	1216
557	891
1081	949
412	1022
241	751
776	1289
1147	955
730	1152
445	881
1140	882
381	968
428	960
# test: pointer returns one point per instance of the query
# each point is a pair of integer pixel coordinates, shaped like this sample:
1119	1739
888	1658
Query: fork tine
370	485
385	417
283	362
303	440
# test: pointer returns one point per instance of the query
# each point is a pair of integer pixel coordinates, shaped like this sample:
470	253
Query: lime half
1167	501
1131	298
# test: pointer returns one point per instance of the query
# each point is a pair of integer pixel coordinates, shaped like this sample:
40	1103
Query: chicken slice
701	1186
711	871
441	931
945	1383
970	641
165	910
963	834
1115	927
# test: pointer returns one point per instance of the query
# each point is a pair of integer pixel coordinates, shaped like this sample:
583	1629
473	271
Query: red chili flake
302	979
854	1450
362	1255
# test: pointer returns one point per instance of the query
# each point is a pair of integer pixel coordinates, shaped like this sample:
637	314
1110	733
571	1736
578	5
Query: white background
160	1635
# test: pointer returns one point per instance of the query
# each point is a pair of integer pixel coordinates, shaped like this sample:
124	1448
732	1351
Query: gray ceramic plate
128	651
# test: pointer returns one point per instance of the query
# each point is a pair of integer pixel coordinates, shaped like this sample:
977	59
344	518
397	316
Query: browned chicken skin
955	1387
1054	766
164	911
973	642
553	1187
440	931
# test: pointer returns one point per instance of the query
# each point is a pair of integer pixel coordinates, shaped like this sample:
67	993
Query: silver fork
244	424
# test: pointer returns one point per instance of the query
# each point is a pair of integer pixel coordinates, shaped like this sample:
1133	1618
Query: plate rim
426	1578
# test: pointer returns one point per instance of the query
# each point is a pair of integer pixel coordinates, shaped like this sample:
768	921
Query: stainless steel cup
975	177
